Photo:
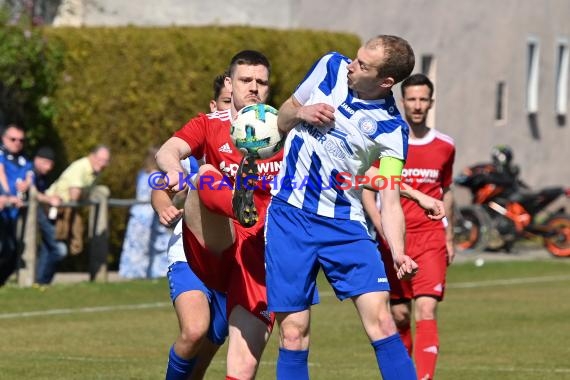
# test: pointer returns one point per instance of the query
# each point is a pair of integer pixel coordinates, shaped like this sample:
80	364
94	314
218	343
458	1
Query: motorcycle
504	210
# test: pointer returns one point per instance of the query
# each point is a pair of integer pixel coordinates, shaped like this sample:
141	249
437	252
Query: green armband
391	167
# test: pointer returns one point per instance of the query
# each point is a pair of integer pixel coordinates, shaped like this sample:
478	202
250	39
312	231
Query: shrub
29	71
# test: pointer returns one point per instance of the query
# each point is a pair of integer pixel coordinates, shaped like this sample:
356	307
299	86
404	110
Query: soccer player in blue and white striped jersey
340	119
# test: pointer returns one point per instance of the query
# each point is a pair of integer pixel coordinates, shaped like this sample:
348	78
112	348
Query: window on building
562	78
533	55
427	64
428	68
501	103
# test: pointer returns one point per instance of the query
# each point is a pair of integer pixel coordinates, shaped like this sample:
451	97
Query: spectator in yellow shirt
73	185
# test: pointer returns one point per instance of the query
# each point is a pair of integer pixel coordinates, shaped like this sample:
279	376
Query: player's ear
213	106
228	83
387	82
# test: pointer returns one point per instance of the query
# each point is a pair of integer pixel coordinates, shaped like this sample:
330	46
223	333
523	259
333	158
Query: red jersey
429	169
240	270
208	136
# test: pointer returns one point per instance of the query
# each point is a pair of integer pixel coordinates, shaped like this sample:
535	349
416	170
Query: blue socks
178	368
292	365
393	359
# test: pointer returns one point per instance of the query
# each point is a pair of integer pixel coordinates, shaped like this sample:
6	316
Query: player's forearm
369	205
393	222
394	230
288	119
169	155
408	192
160	200
449	205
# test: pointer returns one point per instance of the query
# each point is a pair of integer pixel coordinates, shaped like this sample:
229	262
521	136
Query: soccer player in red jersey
222	252
429	243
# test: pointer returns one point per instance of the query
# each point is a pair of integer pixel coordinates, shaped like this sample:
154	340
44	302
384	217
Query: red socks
426	348
215	192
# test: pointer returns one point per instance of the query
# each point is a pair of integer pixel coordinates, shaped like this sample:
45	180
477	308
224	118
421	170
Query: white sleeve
185	163
312	79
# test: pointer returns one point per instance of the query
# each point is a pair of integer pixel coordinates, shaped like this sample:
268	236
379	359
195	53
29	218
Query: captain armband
391	167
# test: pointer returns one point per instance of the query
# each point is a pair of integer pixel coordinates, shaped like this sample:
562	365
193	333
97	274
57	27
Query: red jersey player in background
224	254
429	243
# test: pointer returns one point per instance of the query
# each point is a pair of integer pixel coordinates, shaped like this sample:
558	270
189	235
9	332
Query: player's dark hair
417	80
218	85
248	57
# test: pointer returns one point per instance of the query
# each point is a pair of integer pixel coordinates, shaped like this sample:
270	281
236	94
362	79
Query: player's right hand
319	114
406	268
170	215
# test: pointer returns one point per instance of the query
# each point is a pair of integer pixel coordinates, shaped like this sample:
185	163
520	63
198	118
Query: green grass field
504	320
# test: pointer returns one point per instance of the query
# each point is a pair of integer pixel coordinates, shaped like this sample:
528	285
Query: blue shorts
181	279
298	243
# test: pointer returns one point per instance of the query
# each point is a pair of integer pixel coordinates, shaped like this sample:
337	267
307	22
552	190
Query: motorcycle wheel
467	229
559	244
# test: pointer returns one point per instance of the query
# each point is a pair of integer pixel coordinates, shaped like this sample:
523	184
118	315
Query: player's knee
192	336
294	337
247	368
426	308
205	168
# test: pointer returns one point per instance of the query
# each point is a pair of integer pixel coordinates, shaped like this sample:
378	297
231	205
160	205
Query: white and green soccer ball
255	132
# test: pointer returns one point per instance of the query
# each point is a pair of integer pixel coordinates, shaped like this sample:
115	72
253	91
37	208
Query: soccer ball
255	131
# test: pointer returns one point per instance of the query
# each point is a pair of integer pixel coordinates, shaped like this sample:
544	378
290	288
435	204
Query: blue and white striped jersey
319	161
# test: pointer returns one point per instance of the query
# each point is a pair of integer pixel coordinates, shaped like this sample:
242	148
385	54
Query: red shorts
239	271
429	250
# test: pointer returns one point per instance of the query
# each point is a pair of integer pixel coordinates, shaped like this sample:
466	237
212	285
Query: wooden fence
97	247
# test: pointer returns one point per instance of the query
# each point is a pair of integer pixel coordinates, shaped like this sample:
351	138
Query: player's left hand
406	268
433	207
170	215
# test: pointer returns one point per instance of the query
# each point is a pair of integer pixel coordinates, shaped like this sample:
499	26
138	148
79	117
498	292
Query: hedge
132	87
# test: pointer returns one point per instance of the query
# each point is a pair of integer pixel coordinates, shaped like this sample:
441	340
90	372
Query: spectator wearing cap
50	250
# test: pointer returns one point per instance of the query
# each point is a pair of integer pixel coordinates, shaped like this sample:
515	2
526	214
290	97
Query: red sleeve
194	133
447	177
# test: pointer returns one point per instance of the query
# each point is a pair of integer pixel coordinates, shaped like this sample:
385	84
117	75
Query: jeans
52	251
